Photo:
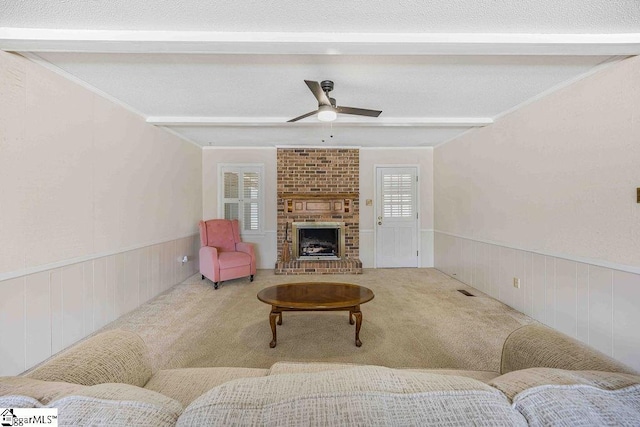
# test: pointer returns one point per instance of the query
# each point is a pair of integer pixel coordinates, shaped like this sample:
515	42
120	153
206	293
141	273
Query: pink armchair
222	255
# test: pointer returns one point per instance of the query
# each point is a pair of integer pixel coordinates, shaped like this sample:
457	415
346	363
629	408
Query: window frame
241	169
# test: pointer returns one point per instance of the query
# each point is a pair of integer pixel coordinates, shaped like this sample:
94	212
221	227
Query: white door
396	217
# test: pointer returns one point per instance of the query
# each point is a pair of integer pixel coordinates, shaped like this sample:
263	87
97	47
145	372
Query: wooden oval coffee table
315	296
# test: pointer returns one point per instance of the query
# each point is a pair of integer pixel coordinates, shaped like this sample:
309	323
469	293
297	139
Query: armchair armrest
245	247
209	252
538	346
248	249
209	263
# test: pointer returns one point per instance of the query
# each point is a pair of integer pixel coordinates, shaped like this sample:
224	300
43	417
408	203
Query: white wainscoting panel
48	311
55	286
567	297
100	294
582	303
367	249
601	308
72	304
594	304
626	317
266	248
426	248
12	314
38	323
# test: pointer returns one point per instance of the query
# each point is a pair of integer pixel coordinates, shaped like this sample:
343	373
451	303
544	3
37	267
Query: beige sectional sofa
546	378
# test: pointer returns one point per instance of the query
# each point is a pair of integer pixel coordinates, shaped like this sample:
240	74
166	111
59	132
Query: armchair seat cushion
233	259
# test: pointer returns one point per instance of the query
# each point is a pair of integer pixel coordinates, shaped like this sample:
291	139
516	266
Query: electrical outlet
516	283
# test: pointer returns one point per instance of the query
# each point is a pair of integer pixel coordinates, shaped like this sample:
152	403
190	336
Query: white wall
557	176
265	243
371	157
82	181
548	193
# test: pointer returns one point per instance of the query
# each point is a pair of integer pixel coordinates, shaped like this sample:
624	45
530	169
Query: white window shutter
242	198
397	195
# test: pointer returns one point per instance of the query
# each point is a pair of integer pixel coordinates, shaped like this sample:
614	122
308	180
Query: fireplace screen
318	240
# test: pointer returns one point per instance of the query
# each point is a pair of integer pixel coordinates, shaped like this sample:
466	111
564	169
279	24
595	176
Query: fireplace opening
318	240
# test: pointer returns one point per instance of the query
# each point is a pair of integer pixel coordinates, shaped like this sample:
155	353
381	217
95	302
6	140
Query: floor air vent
462	291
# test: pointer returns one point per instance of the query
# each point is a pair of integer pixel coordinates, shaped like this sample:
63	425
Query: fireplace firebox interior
318	240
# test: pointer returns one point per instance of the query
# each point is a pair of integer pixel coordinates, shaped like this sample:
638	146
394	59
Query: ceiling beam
342	122
204	42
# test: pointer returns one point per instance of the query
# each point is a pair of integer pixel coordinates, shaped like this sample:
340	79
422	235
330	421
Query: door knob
379	222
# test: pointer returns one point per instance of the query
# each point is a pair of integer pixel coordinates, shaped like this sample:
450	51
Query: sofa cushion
308	367
18	401
364	395
484	376
117	405
279	368
185	384
42	391
116	356
518	381
579	405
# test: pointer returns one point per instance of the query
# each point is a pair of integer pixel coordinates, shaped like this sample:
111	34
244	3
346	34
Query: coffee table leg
272	321
358	316
280	319
351	322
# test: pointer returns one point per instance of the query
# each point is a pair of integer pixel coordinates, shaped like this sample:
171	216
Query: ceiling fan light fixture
327	109
326	113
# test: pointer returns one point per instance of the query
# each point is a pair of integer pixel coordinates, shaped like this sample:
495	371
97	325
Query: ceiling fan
327	109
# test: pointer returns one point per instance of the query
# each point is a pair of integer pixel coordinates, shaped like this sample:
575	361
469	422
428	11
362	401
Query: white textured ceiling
237	74
430	16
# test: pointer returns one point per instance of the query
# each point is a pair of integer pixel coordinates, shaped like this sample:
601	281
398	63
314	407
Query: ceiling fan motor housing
326	85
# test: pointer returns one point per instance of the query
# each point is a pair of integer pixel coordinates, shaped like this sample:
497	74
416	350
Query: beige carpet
417	319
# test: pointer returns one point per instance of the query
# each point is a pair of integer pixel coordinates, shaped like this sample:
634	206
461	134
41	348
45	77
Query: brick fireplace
319	185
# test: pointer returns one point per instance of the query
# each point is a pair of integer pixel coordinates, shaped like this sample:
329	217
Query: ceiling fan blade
358	111
302	116
317	91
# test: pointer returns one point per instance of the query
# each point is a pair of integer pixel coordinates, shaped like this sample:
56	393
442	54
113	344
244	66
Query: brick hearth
346	266
310	173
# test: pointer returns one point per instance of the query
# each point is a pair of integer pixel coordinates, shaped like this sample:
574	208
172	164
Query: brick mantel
317	196
315	185
330	204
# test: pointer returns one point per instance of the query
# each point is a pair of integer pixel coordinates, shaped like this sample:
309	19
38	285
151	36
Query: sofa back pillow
117	405
18	401
516	382
579	405
42	391
367	395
